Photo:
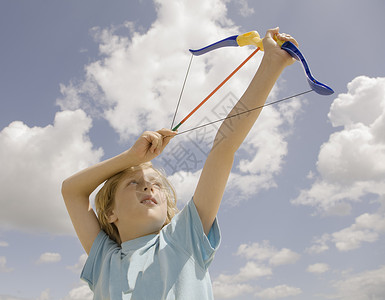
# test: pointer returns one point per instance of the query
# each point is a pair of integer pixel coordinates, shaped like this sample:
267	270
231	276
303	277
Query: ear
112	217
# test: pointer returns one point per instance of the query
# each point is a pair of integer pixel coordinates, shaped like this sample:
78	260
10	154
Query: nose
148	186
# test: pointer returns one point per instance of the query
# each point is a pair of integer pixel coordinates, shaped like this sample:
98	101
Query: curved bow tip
227	42
315	85
320	88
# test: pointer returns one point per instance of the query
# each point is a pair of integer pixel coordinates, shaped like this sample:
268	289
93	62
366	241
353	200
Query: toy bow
253	38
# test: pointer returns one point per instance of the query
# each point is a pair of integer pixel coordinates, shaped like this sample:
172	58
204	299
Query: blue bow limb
227	42
252	38
315	85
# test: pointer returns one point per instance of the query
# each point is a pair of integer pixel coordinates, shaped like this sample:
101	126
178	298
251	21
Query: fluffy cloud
3	265
81	292
48	257
138	78
36	161
367	228
279	292
4	244
318	268
352	163
262	258
249	272
262	154
77	268
320	244
225	290
362	286
184	183
264	252
244	8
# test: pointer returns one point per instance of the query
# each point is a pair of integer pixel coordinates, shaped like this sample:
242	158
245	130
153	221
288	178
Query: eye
157	184
132	182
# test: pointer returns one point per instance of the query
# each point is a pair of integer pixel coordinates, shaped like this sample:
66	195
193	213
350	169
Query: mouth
149	201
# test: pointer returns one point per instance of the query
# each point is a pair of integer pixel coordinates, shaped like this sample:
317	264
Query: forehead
148	173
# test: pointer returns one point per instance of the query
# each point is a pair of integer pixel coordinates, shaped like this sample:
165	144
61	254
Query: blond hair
105	199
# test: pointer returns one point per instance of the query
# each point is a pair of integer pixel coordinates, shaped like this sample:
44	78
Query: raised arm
77	188
231	134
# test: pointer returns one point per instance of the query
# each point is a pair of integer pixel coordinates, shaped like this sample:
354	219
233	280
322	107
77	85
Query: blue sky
303	216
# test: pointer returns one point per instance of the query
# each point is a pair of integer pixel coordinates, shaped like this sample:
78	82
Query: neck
128	235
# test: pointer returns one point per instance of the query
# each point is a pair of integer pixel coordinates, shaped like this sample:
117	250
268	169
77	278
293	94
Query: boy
143	251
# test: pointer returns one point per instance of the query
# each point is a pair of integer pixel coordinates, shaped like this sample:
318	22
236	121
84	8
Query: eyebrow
150	177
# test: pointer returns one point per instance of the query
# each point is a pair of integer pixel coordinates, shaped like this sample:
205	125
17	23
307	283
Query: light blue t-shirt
170	265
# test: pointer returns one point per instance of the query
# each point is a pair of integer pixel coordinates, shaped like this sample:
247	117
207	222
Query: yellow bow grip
253	38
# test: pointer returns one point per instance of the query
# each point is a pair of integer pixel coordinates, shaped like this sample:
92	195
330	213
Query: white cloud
244	8
278	292
266	253
364	103
81	292
45	295
4	244
138	77
283	257
352	155
34	163
263	152
318	268
319	244
261	260
256	251
367	228
225	290
249	272
352	163
185	184
3	265
366	285
77	268
266	138
48	258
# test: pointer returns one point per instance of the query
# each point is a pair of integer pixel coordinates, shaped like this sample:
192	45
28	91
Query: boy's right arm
77	188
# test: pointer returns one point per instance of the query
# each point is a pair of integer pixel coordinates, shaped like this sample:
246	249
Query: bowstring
246	111
181	92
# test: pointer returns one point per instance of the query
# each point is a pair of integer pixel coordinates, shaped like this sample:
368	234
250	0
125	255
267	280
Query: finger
154	140
287	38
166	140
159	146
272	32
167	132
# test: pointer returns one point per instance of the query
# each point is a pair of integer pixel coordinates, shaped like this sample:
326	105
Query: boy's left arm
231	134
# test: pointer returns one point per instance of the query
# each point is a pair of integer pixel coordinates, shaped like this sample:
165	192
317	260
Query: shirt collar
140	242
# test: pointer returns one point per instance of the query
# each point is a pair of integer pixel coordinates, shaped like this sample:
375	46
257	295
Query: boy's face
140	204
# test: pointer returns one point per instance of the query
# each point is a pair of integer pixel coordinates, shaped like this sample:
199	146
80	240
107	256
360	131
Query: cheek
163	201
124	198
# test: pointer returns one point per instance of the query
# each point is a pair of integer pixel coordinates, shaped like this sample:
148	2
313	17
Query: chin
156	223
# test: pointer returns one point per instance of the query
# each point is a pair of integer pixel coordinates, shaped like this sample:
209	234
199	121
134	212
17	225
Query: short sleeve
186	232
99	250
